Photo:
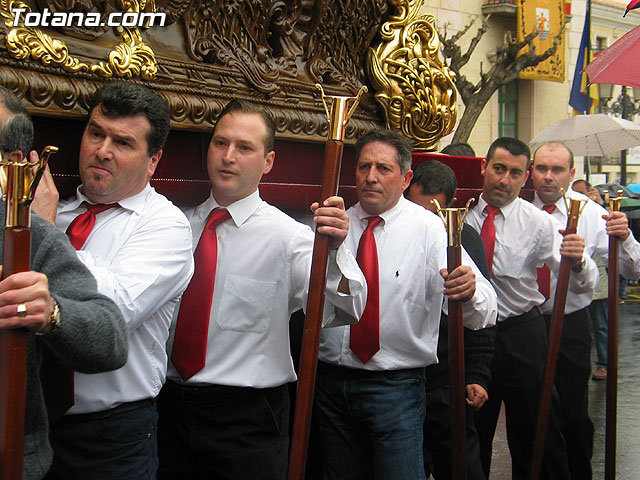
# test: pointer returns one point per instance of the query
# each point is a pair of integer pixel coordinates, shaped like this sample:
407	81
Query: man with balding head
552	173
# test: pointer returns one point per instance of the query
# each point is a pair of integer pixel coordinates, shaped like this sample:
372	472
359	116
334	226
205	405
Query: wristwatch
578	268
54	321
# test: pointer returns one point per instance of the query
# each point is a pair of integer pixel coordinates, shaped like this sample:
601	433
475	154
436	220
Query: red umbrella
632	4
619	64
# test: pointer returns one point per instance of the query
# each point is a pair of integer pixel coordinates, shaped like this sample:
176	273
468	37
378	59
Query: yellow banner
547	16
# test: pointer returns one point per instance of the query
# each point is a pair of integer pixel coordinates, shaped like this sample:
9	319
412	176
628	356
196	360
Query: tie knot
100	207
491	210
216	217
549	208
373	222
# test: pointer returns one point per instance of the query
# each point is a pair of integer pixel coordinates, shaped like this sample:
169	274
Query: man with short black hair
519	238
61	307
433	179
137	244
460	149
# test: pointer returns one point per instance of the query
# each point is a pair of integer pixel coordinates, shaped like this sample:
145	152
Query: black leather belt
510	322
123	407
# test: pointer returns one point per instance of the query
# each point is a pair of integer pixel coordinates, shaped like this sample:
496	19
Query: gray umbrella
590	135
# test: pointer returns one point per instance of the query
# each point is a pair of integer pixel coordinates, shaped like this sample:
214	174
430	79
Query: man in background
435	180
551	174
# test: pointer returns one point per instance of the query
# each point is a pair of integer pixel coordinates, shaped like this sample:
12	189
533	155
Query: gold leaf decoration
414	89
131	57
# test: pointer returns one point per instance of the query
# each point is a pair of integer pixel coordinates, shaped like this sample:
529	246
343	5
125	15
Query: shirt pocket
246	305
512	264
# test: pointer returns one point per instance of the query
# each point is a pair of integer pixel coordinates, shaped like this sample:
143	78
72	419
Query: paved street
628	438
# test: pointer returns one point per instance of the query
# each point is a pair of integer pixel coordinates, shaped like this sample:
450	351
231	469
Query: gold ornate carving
268	52
414	88
132	57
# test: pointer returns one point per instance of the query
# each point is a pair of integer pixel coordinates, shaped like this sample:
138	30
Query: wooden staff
337	119
453	219
18	185
612	353
555	333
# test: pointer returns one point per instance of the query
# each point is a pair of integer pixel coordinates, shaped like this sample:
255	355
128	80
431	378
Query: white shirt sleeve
154	265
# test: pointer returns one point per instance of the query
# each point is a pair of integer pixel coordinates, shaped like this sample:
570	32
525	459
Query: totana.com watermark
46	18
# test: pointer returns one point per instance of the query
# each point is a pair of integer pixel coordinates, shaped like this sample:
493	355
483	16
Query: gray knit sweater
92	335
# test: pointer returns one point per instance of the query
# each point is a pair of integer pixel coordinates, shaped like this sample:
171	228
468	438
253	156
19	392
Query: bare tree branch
509	62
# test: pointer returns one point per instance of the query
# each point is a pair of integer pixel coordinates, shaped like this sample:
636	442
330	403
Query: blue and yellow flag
583	98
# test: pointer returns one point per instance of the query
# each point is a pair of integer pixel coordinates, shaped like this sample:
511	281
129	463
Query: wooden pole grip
13	363
555	333
612	364
313	322
457	377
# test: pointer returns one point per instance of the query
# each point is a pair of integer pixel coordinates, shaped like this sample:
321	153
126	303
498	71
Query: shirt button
347	352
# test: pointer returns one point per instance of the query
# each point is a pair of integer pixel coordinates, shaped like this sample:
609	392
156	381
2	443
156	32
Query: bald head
552	171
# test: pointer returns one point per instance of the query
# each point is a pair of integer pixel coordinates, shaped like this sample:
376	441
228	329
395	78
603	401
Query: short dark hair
512	145
12	103
434	177
244	107
553	146
121	99
401	143
460	149
580	180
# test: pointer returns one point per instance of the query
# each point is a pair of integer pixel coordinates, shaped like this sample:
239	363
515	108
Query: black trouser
220	432
516	379
119	443
572	382
437	437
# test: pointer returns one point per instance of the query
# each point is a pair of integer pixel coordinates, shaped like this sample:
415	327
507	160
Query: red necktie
192	327
57	381
544	274
365	335
81	227
488	234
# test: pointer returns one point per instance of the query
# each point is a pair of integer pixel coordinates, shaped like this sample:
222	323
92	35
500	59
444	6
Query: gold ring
22	310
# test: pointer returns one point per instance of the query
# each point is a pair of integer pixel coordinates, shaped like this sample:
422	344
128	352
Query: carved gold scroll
269	52
415	89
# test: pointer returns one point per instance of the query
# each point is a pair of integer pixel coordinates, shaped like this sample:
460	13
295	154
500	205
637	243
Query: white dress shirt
411	244
593	228
526	238
140	255
262	277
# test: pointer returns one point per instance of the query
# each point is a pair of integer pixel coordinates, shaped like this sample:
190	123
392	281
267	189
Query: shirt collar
239	210
560	205
134	203
387	216
504	210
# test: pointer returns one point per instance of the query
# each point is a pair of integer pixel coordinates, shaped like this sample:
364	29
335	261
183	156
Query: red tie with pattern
81	227
192	327
57	381
544	274
488	234
365	335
